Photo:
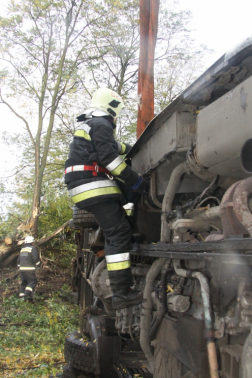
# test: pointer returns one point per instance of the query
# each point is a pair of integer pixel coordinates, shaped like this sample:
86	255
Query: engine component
246	156
221	151
242	319
128	321
146	316
160	300
178	303
208	316
169	196
101	286
236	215
203	173
202	221
214	237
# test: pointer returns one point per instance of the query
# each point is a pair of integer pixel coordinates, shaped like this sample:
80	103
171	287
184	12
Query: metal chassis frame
239	251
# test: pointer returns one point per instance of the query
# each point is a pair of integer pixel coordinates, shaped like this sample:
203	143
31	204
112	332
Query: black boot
28	296
126	297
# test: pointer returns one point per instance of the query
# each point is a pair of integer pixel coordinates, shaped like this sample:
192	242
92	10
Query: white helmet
29	239
108	101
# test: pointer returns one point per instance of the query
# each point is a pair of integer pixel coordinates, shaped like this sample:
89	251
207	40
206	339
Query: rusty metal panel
222	129
176	132
184	339
231	69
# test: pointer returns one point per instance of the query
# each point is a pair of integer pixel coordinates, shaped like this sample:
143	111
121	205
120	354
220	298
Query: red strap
94	168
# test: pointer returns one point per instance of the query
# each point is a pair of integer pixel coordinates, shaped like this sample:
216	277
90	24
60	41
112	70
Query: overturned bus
192	255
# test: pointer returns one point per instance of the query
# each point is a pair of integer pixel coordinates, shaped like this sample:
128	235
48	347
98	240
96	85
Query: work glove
128	147
140	185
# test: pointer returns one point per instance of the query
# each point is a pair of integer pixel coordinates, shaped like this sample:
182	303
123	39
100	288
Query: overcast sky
219	24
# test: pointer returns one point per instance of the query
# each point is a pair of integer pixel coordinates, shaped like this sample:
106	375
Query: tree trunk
36	199
9	253
8	240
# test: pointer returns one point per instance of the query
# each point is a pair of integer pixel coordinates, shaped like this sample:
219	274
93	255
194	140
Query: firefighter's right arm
123	148
107	150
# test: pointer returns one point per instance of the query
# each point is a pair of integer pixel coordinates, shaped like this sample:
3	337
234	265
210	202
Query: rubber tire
79	354
83	218
74	226
70	372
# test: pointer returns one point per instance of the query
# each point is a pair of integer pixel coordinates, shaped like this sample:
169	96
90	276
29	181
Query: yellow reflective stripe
129	212
27	249
27	268
114	163
123	148
129	206
118	170
117	178
92	185
94	193
118	265
28	288
82	134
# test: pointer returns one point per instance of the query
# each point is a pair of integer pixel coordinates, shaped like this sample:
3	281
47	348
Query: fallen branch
47	238
13	277
8	253
46	260
8	240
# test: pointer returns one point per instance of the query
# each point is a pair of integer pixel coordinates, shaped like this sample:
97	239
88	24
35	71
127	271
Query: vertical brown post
148	35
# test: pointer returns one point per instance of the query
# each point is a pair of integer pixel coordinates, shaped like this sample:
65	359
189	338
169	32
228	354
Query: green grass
34	347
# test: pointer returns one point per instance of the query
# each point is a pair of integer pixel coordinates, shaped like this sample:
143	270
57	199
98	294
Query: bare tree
42	45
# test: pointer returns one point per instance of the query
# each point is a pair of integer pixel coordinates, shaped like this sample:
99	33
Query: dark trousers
117	232
29	282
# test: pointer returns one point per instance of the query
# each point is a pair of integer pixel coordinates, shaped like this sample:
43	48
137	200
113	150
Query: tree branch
47	238
19	116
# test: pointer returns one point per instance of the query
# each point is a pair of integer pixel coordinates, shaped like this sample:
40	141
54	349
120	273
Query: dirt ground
50	280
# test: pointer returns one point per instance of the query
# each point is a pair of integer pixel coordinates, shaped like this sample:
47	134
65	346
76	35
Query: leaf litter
32	334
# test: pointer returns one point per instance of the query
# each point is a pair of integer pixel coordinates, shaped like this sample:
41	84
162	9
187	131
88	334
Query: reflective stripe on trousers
93	189
118	262
129	208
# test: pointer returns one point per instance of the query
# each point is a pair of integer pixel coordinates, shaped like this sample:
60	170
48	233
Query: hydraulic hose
146	317
169	197
161	301
208	315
